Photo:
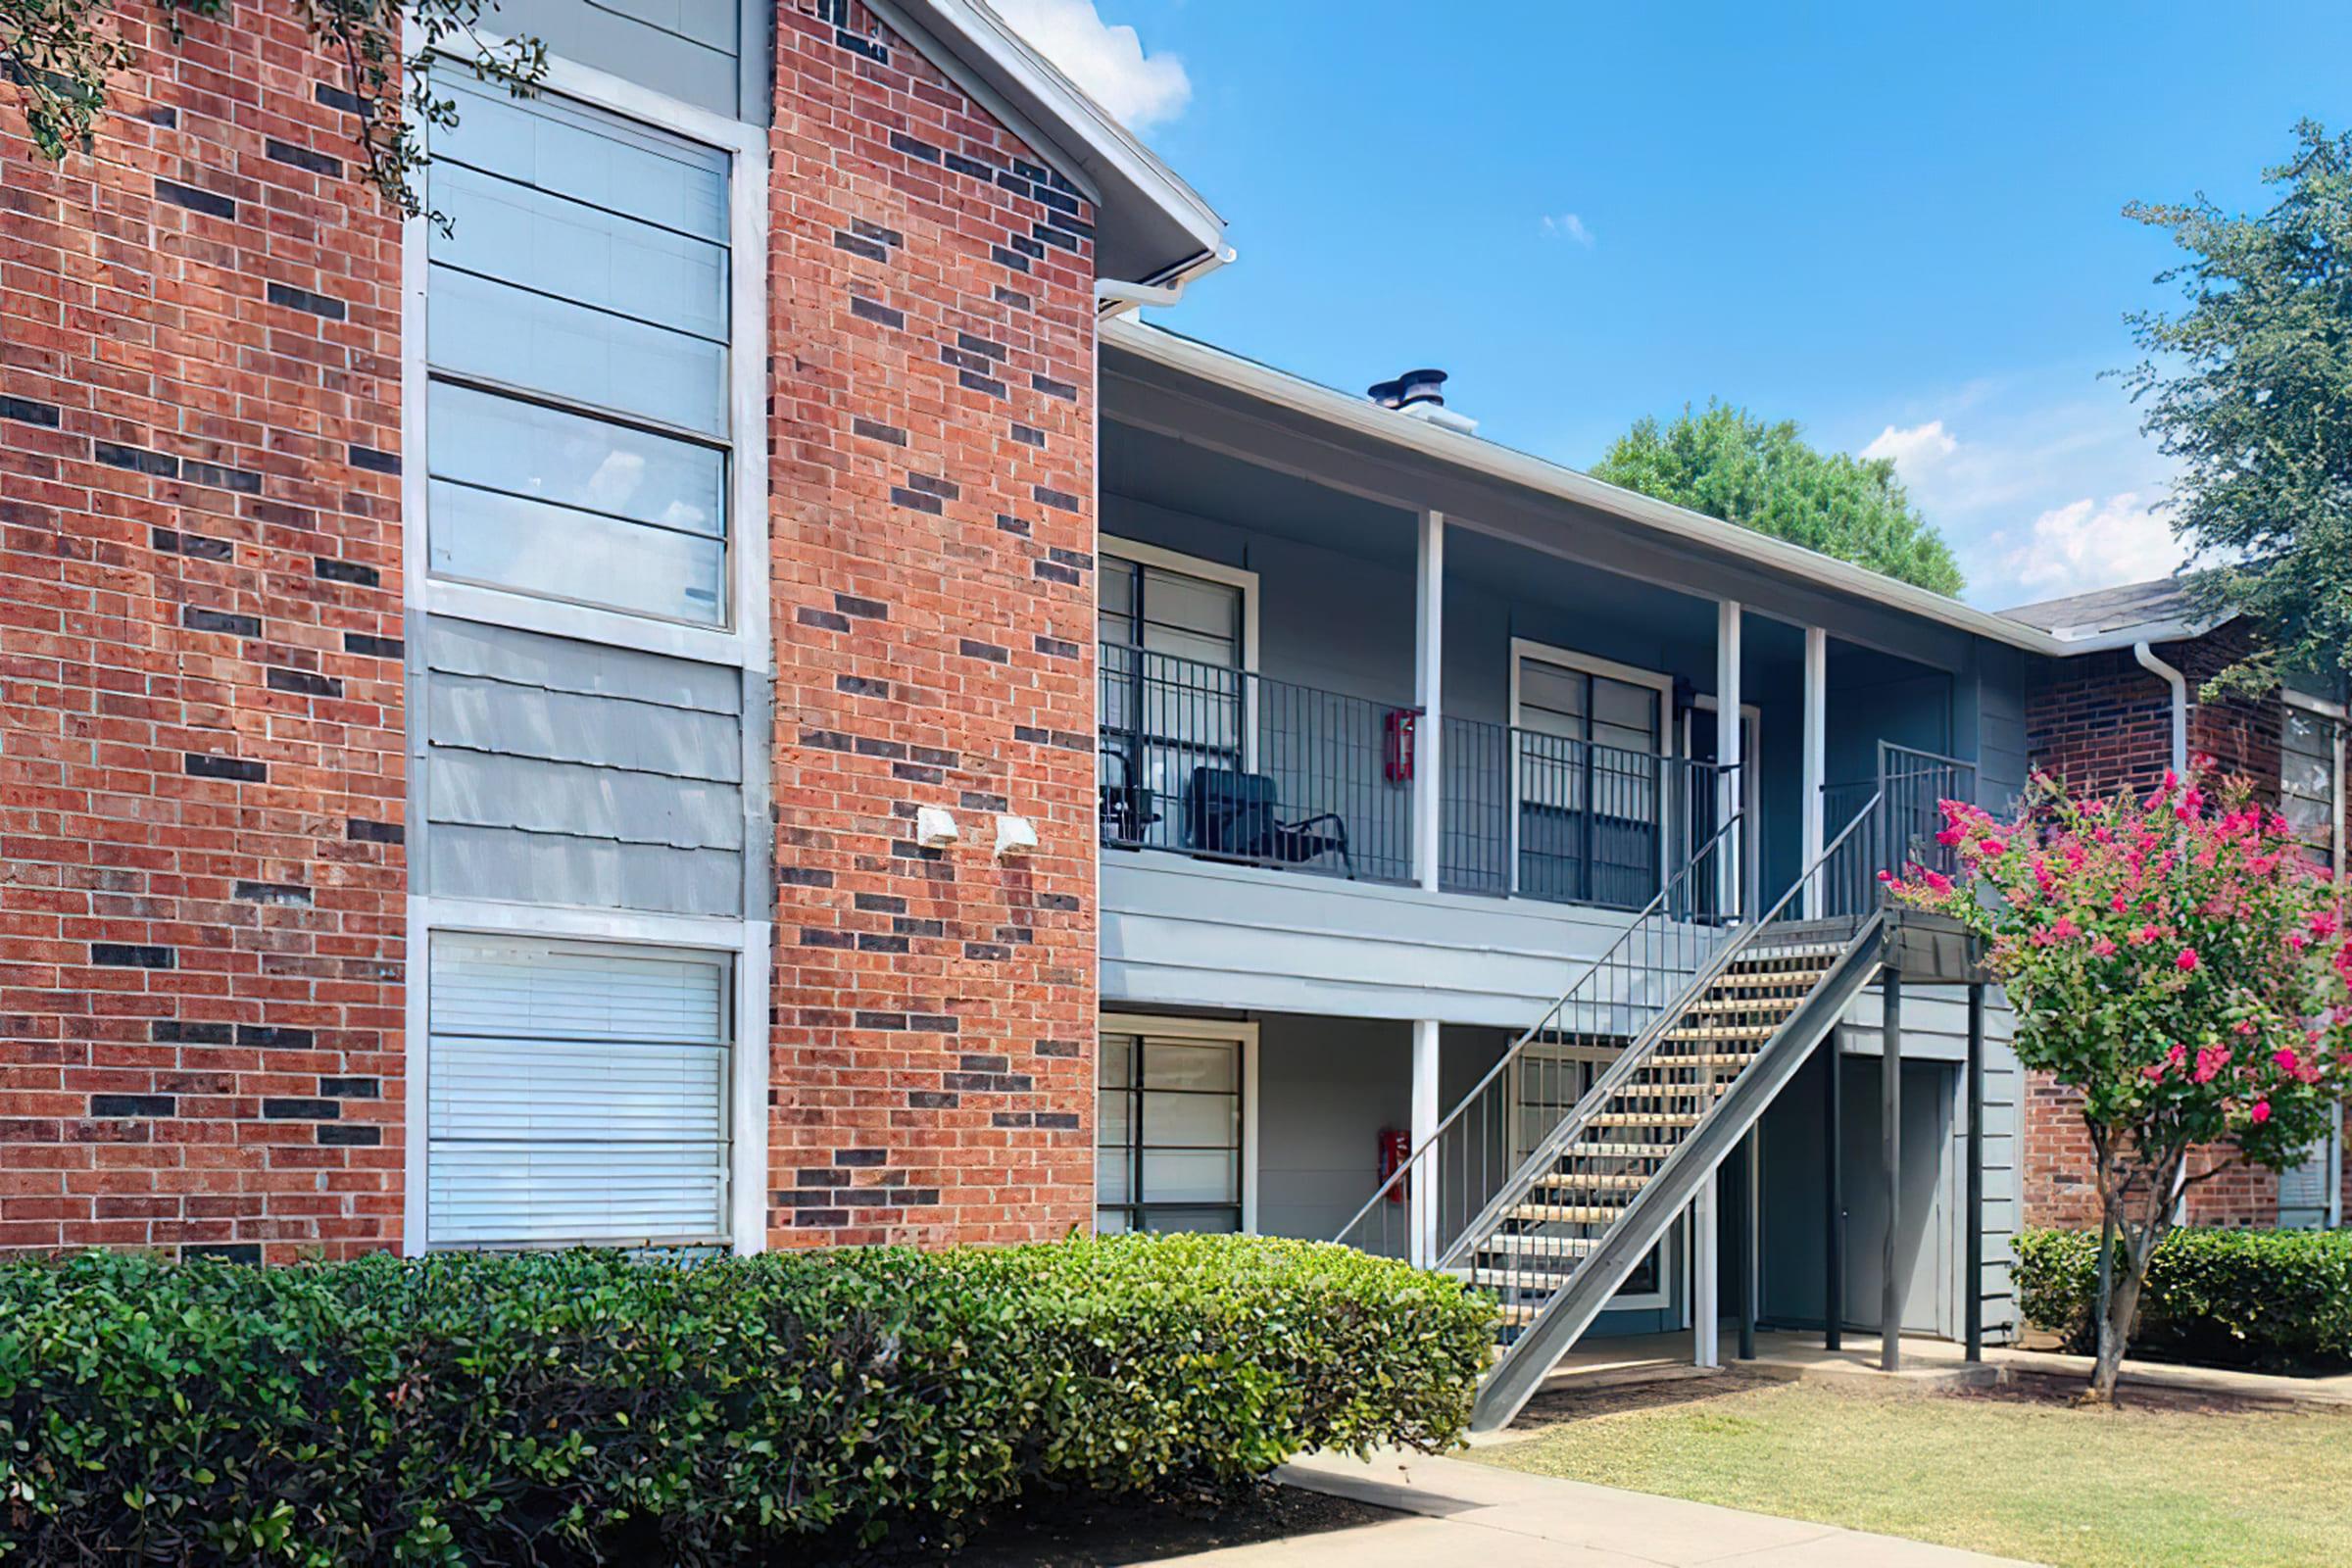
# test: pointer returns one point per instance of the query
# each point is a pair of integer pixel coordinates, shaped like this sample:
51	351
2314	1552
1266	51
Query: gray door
1927	1237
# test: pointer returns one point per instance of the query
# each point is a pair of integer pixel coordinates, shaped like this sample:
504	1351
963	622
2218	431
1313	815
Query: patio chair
1236	814
1128	809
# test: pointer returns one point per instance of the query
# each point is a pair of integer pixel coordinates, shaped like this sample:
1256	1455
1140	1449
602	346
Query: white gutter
2180	684
1369	418
1113	297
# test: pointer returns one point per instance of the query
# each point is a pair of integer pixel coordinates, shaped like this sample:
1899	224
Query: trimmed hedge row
585	1406
2226	1298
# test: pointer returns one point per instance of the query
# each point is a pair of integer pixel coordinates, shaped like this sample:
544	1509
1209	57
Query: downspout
2180	684
1113	297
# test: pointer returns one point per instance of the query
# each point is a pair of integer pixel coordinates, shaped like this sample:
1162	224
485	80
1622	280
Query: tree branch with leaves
63	56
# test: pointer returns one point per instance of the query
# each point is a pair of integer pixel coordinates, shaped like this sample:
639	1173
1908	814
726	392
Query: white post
1422	1196
1705	1284
1816	759
1727	731
1429	661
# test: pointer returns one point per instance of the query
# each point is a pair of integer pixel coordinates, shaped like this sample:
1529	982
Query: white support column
1816	758
1706	1284
1429	685
1422	1196
1728	733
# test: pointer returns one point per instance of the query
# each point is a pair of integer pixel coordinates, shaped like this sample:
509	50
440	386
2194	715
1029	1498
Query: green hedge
2220	1297
584	1406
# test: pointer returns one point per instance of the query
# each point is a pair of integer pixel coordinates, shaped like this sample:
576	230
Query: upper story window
1166	611
2311	777
579	436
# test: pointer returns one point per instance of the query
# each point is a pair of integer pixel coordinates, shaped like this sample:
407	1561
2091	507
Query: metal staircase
1563	1169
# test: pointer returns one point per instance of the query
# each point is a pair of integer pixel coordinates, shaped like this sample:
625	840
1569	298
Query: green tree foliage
1731	464
61	55
2249	386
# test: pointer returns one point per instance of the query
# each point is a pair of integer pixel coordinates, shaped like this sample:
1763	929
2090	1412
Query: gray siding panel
552	869
568	774
691	50
483	716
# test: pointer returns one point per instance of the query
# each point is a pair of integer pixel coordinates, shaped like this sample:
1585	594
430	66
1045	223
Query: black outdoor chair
1127	808
1229	812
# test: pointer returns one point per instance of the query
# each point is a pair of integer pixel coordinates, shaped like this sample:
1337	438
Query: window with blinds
1168	1135
576	1091
577	339
2309	770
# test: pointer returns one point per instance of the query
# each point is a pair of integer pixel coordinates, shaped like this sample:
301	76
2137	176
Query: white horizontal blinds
1168	1135
578	1093
577	333
2307	778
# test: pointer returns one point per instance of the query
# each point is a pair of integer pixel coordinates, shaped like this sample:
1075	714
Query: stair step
1528	1245
1806	978
1714	1003
1518	1312
1577	1179
1722	1031
1711	1058
1785	952
1641	1119
1513	1279
1566	1213
1583	1151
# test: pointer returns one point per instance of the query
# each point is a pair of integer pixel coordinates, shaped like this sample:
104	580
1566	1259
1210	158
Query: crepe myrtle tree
62	58
2179	960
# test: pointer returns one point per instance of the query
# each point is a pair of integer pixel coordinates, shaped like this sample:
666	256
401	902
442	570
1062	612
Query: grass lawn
2014	1475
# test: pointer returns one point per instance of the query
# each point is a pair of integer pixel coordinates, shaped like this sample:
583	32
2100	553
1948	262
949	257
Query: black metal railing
1568	820
1229	764
1908	795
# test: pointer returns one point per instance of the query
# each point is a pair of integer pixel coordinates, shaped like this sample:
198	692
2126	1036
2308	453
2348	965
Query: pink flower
2143	936
2245	1026
2118	904
2153	1072
2322	923
2187	961
2261	1111
2064	928
1992	846
2285	1061
2104	948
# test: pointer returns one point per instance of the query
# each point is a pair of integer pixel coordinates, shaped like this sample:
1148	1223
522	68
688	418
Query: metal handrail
1637	1052
1428	1151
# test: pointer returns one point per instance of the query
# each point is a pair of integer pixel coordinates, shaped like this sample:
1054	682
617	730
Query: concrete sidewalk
1477	1515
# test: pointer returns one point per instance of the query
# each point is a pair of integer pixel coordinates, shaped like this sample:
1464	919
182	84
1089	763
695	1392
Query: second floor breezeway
1299	676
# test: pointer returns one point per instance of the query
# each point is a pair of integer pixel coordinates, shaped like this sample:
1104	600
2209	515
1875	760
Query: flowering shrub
2180	963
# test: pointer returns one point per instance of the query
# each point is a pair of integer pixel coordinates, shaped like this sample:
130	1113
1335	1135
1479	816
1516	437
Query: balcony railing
1223	763
1231	765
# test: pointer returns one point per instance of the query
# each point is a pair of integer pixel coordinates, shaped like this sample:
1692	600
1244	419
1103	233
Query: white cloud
1915	451
1567	225
1139	89
2080	545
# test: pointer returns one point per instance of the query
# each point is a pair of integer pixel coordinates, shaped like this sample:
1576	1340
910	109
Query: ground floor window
576	1091
1168	1130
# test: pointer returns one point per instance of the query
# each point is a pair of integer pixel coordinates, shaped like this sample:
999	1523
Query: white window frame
1752	777
1176	1026
1241	577
744	637
1524	649
2334	713
744	644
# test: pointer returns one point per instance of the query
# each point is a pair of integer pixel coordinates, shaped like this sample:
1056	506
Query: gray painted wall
569	773
714	54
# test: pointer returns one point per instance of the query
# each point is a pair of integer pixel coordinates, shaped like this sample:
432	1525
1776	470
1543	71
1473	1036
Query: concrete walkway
1482	1517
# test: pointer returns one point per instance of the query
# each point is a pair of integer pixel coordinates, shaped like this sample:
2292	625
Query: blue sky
1899	226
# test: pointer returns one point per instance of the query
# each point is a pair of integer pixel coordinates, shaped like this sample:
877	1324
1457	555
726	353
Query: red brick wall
201	871
2101	723
933	534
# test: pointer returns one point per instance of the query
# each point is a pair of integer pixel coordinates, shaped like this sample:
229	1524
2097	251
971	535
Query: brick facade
201	779
2101	723
933	535
200	692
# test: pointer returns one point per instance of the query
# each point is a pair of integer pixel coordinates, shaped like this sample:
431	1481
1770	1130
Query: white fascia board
1366	417
1077	134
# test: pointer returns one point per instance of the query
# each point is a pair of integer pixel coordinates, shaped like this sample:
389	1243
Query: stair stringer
1564	1318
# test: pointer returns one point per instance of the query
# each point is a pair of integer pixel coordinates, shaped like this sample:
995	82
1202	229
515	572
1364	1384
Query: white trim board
1241	577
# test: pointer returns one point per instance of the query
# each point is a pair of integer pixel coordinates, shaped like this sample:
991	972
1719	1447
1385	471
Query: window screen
578	320
1173	693
2307	779
1168	1135
577	1093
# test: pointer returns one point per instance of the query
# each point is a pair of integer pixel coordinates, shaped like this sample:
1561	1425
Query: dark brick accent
220	476
336	98
292	1109
876	430
371	646
248	1254
134	1105
198	764
844	240
27	411
914	501
136	459
197	618
196	201
299	299
1059	500
174	1032
1054	389
362	831
868	609
303	683
272	893
876	311
351	572
373	461
274	1037
352	1088
133	955
360	1135
286	152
